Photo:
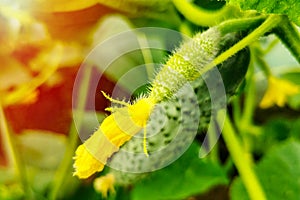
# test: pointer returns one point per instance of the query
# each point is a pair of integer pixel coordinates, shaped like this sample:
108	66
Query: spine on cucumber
188	62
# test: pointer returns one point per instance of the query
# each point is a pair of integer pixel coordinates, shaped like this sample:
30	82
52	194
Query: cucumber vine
226	41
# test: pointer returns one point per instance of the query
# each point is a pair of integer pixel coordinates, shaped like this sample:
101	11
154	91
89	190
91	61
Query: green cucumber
176	119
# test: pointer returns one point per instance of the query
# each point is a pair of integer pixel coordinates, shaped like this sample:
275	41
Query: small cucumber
175	121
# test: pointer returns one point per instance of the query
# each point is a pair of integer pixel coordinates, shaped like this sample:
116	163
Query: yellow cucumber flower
115	130
278	92
104	184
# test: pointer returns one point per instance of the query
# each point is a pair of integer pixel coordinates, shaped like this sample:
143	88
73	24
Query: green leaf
295	129
12	191
294	77
10	188
287	7
6	174
278	173
85	192
274	132
187	176
41	149
42	152
154	9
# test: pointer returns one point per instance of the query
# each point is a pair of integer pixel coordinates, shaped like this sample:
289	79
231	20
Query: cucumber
175	121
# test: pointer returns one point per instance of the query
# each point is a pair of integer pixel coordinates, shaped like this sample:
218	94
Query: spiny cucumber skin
174	126
187	62
232	71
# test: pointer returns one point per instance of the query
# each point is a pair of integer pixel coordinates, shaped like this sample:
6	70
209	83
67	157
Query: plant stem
263	66
271	22
246	119
147	56
7	140
213	147
14	159
64	168
236	104
203	17
270	47
242	161
258	53
185	29
245	123
241	24
290	36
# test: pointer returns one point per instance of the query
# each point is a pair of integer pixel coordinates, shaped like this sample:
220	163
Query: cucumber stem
147	55
262	63
203	17
14	159
271	22
242	24
64	169
246	118
242	161
290	36
185	29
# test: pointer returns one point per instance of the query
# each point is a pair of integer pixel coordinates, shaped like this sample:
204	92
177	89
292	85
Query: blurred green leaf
278	173
41	149
294	102
10	188
6	175
286	7
210	4
42	152
187	176
294	77
154	9
276	131
11	191
295	129
86	192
